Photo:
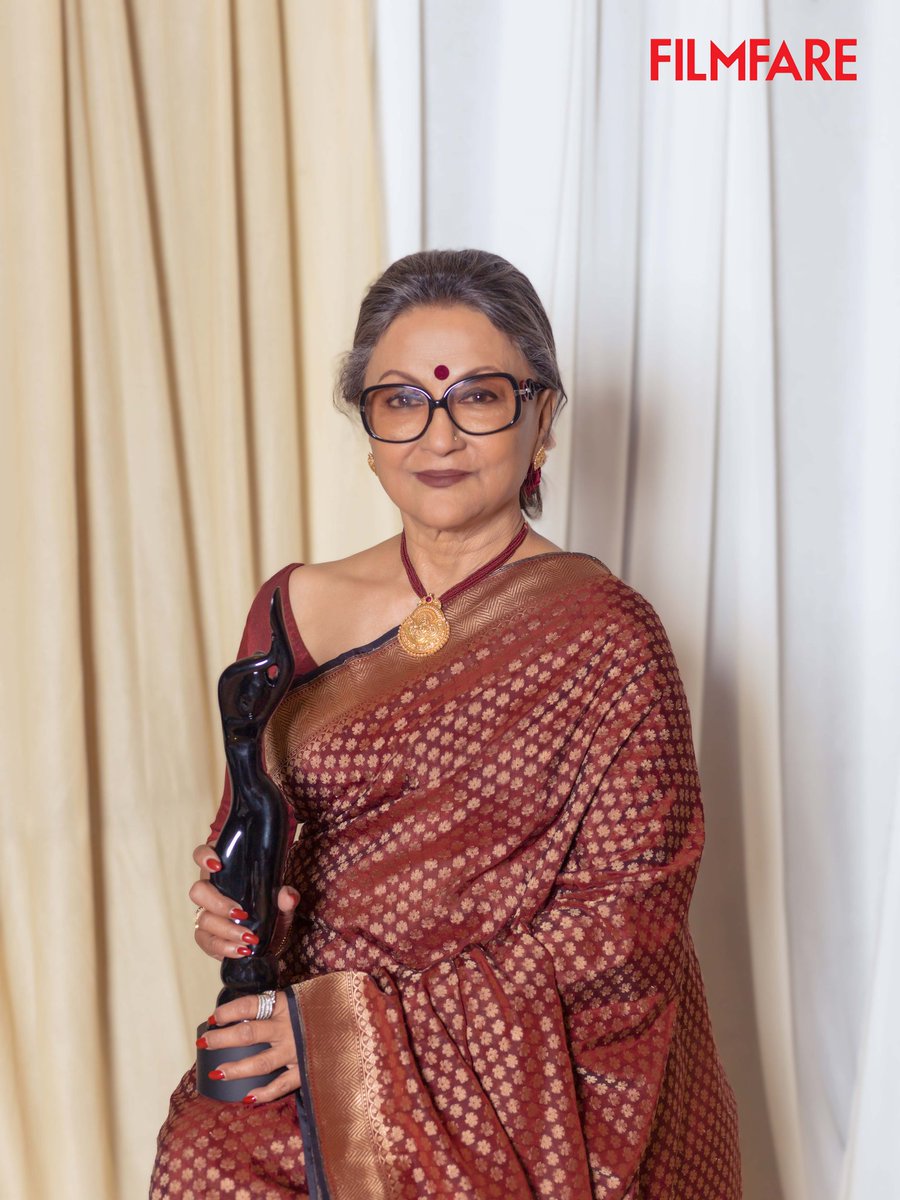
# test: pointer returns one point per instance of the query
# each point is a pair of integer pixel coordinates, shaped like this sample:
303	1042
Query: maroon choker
426	629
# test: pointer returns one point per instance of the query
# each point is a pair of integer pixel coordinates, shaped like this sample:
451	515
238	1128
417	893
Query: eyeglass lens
398	412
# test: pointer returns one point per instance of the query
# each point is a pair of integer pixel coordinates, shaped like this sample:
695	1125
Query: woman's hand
276	1031
219	932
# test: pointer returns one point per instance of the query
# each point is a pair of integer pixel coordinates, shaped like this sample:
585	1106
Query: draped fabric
495	987
721	264
189	211
187	222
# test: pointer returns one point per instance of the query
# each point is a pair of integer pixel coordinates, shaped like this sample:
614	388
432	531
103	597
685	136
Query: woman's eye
405	400
477	396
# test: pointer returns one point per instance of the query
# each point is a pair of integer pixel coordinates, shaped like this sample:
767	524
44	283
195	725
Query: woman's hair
482	281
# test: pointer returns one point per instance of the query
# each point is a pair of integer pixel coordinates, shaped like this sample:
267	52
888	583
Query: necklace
426	629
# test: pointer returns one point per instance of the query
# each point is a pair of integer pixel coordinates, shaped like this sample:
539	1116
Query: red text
752	60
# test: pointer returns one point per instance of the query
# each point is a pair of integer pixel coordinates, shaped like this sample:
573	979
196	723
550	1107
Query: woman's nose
441	433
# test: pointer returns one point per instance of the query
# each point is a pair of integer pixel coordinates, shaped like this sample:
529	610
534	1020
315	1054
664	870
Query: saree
492	982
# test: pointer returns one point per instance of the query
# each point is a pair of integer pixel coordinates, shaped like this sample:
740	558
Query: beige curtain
188	216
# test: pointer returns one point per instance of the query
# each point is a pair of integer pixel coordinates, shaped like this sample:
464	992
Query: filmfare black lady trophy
253	842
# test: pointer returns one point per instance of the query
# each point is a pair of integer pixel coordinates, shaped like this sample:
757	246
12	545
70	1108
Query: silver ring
265	1005
200	909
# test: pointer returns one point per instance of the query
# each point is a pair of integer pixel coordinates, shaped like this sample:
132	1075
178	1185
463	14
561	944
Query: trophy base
230	1091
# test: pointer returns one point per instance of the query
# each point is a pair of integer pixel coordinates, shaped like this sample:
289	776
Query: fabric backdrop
721	264
188	217
192	197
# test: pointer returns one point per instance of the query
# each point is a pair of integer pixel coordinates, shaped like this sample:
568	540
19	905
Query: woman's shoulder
347	602
365	568
614	604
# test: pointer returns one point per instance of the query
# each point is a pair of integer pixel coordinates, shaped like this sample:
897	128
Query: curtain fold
868	1167
188	219
719	267
192	199
744	638
57	1063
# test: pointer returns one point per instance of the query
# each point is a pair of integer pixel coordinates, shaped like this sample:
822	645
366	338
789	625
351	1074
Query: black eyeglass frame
524	389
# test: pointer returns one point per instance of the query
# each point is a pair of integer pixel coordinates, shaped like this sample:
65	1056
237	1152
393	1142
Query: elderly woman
488	986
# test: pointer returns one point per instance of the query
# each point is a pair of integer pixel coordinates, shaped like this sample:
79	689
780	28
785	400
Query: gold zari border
336	1068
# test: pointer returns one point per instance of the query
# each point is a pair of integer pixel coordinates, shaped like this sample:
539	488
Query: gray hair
482	281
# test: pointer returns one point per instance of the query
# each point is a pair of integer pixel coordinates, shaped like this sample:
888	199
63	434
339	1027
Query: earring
533	478
371	462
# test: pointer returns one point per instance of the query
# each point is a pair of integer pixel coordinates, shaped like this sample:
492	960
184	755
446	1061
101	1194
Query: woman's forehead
451	338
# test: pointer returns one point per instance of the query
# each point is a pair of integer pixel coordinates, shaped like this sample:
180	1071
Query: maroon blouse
257	637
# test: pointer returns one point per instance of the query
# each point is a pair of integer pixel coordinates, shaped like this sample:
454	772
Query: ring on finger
199	911
265	1005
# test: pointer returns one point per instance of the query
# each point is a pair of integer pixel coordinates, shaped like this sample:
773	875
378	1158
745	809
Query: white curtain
721	265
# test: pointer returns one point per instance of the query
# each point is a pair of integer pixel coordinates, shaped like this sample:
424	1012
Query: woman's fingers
222	938
218	930
244	1009
286	1083
217	927
242	1029
207	860
288	899
205	895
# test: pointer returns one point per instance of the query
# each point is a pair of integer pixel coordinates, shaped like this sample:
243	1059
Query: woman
488	987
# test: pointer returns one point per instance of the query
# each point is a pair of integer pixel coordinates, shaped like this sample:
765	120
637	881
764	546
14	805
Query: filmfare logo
689	60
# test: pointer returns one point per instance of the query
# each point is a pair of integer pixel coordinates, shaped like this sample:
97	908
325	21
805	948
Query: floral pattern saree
493	986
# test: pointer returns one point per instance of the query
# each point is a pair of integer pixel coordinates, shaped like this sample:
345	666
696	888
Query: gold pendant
425	630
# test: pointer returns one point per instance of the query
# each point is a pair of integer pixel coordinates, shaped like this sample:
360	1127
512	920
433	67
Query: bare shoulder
365	567
347	602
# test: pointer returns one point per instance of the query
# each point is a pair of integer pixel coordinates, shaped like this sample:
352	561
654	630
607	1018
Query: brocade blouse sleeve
256	638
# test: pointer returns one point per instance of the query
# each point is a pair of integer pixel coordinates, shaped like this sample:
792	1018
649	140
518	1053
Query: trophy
253	842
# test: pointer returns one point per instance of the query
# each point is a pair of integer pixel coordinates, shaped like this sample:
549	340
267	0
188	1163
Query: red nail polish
238	914
250	938
251	1099
217	1074
211	1020
213	864
245	950
202	1043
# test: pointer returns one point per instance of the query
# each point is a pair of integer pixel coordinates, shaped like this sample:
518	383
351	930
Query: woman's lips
440	478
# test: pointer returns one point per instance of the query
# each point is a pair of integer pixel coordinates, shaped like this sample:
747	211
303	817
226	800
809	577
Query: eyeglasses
478	405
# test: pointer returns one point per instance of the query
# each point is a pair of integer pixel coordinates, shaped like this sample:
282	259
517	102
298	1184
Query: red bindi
441	372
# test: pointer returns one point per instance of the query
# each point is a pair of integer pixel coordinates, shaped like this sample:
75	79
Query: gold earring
539	459
371	462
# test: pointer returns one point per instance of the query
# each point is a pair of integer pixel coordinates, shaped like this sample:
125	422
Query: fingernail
250	938
211	1020
202	1043
245	950
238	914
213	864
251	1099
217	1074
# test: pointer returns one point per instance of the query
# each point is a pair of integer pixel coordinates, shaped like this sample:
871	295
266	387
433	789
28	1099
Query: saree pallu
492	982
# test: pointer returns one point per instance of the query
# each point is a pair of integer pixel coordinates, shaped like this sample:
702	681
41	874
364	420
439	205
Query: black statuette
252	844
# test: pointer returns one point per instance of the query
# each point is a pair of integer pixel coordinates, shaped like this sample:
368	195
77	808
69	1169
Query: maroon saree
493	986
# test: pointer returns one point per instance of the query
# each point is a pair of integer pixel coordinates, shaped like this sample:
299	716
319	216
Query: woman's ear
545	417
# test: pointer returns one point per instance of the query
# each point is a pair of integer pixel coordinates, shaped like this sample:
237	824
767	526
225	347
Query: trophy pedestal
229	1090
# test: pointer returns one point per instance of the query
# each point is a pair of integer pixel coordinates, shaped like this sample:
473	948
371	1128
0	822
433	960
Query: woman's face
467	343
